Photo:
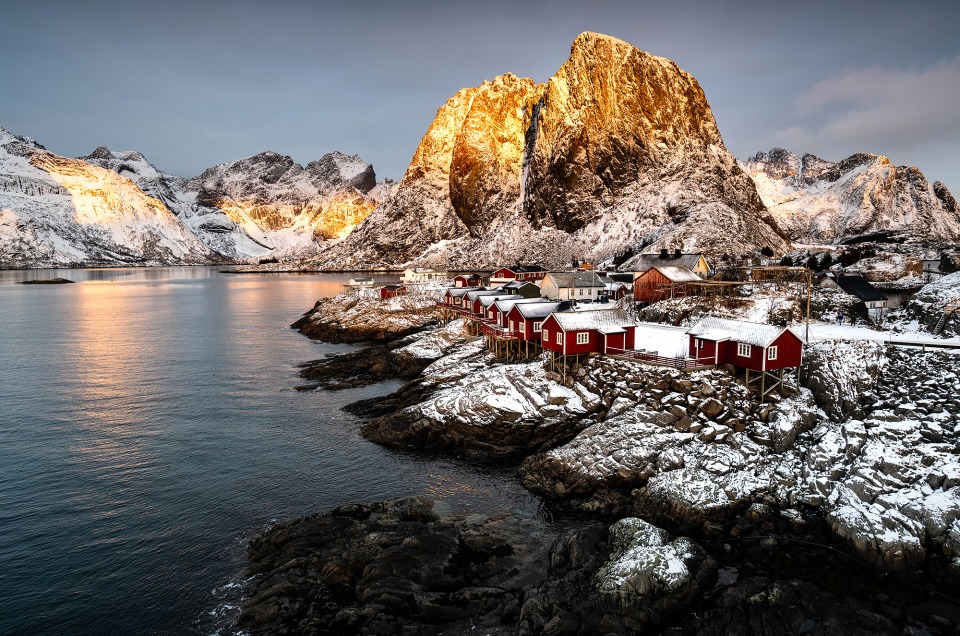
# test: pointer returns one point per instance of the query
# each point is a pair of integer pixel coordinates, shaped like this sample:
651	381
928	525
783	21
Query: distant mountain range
116	208
617	152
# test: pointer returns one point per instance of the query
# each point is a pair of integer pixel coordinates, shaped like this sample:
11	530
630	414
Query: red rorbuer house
583	332
528	318
468	280
392	291
659	283
747	345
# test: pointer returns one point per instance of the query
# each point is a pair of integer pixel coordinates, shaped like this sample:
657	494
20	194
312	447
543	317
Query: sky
194	84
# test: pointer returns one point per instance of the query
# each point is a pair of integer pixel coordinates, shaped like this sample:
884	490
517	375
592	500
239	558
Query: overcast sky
193	84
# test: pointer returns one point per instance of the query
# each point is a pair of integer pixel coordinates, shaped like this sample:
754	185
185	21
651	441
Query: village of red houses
525	312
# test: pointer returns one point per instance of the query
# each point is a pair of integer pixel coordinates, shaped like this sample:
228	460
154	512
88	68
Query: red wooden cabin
392	291
468	280
489	312
746	345
583	332
531	273
526	319
660	283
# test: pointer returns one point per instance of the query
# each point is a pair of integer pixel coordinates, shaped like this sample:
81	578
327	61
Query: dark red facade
789	352
596	342
506	273
392	291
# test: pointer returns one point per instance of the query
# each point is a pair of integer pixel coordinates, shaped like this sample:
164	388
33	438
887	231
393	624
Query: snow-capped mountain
60	211
289	208
618	149
113	208
818	201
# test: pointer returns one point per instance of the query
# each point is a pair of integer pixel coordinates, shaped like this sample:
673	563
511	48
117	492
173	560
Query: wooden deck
651	357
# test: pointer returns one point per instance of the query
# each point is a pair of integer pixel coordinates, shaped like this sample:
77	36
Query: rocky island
680	501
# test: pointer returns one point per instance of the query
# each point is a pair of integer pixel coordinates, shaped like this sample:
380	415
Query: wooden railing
495	330
651	356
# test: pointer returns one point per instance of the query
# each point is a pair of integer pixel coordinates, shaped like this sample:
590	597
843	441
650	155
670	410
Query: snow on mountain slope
618	149
293	210
818	201
210	224
113	208
60	211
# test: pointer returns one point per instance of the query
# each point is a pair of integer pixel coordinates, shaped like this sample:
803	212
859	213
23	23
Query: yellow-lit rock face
330	218
487	159
101	196
612	112
473	150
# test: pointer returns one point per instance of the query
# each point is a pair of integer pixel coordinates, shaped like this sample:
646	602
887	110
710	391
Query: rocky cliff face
619	148
819	201
463	176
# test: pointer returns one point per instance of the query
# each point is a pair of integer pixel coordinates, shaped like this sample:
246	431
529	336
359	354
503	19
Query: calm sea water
148	430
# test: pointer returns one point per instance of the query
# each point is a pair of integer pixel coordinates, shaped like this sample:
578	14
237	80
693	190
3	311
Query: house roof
752	333
858	286
486	301
473	294
536	310
575	279
506	304
621	277
643	262
459	292
677	273
361	279
517	284
606	320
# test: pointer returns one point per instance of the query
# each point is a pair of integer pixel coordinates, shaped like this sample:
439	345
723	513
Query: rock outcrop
618	149
354	317
863	196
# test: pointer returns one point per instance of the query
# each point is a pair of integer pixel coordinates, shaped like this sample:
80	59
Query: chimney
664	253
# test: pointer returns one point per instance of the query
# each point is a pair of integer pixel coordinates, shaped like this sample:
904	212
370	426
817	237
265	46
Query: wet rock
390	567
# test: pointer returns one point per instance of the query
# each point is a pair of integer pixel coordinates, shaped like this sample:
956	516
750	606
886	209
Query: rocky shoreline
799	515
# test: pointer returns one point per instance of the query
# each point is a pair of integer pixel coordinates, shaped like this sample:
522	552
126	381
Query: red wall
789	353
648	287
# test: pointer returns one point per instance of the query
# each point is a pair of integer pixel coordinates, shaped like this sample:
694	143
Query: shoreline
761	546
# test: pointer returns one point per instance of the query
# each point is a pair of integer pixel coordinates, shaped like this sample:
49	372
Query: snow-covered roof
752	333
486	301
532	311
459	292
564	280
473	294
677	274
506	304
521	269
605	320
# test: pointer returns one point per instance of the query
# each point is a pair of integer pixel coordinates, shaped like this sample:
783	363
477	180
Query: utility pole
809	287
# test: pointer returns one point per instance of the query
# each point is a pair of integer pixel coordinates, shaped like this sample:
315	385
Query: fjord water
148	430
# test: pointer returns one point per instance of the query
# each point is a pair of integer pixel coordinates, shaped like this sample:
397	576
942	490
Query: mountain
287	207
863	196
56	211
619	149
116	208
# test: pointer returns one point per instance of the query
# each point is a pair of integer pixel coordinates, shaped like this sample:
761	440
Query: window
489	313
537	326
522	327
513	326
743	350
772	353
583	337
559	339
581	292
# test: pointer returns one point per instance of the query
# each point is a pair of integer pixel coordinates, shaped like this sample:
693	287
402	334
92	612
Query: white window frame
537	326
490	313
583	337
559	338
743	350
513	326
522	327
772	353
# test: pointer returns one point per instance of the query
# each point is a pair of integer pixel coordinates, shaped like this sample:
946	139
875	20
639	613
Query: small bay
148	430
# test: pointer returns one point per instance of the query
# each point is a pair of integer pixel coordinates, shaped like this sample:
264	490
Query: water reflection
148	429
